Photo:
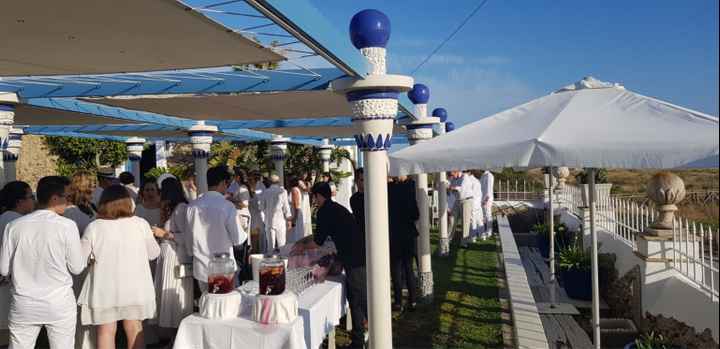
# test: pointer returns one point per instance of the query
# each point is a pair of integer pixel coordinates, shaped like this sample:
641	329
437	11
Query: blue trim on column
371	94
7	107
418	126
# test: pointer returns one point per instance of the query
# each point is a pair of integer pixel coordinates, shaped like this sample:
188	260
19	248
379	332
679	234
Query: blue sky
513	51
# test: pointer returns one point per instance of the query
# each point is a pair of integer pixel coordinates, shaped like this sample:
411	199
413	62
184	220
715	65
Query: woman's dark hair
142	189
12	193
171	195
115	202
294	181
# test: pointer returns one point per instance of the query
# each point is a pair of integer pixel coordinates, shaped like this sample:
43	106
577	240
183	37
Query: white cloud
470	93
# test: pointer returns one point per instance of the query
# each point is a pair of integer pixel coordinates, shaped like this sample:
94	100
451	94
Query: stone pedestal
666	189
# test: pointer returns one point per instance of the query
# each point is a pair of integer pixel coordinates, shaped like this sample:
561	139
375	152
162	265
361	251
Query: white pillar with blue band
201	137
441	185
373	100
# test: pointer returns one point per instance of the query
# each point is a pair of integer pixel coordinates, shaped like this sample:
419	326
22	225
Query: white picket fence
695	246
517	190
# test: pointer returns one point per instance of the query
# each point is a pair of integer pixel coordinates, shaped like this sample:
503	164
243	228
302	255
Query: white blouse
120	276
151	215
5	218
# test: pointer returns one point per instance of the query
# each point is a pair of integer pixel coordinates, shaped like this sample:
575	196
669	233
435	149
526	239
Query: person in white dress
16	200
39	252
298	219
463	185
257	219
173	282
118	286
306	206
487	181
276	207
239	194
214	224
148	207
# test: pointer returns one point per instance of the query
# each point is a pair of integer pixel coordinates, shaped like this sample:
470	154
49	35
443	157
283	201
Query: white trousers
487	212
61	334
275	237
477	226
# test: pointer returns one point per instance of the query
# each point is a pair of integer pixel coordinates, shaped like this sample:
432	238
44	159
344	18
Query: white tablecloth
321	306
196	332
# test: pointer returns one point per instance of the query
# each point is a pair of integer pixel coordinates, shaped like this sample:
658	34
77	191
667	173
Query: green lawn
466	311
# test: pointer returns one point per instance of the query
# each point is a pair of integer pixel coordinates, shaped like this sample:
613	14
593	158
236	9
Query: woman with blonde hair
119	285
80	192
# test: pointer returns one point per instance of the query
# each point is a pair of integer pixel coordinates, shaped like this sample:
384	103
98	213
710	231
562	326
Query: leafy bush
178	171
84	154
652	341
601	177
574	256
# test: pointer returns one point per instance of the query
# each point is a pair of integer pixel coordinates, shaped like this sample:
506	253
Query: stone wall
35	161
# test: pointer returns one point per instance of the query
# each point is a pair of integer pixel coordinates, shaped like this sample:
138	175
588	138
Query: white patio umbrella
588	124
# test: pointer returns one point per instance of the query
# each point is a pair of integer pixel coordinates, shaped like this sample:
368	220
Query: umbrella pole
594	262
551	220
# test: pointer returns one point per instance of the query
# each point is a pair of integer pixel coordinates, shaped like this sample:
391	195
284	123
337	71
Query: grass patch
466	312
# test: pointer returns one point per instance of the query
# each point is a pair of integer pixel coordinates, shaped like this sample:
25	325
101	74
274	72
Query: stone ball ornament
440	113
369	28
561	173
420	94
449	126
666	189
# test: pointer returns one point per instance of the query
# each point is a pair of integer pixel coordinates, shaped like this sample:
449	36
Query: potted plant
651	341
563	237
574	262
602	187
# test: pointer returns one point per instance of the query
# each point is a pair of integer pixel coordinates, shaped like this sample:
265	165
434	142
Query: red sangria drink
220	284
272	276
221	272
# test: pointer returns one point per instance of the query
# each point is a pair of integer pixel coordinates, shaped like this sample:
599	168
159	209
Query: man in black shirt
336	222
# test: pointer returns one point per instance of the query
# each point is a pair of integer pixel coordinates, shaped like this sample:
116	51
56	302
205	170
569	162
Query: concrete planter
577	283
616	333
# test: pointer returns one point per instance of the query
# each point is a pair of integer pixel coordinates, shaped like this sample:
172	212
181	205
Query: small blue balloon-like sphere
369	28
420	94
449	126
440	113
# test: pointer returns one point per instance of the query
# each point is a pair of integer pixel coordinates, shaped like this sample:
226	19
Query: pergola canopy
104	36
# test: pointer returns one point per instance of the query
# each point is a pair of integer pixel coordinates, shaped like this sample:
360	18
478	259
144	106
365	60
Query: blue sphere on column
420	94
369	28
440	113
449	126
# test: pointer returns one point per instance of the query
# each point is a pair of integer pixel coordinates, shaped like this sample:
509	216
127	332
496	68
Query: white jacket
275	205
487	180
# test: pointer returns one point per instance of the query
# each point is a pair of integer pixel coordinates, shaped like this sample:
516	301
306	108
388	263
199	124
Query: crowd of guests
88	252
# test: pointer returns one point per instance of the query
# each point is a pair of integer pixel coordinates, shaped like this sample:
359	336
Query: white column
12	153
419	131
7	117
135	147
442	185
161	154
278	146
325	153
374	105
201	139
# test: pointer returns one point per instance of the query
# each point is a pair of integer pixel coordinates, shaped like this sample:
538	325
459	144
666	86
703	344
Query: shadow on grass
466	309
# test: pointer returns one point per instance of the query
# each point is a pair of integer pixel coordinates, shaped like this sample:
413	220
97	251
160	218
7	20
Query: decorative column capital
7	114
326	150
422	128
201	139
666	189
278	146
135	146
373	99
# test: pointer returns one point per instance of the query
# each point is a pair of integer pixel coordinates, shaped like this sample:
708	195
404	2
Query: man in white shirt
39	252
478	222
463	184
276	207
214	224
239	195
487	181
